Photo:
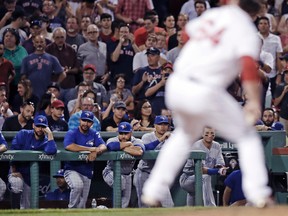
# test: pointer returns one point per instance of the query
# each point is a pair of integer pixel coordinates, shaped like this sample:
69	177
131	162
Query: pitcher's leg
231	125
173	155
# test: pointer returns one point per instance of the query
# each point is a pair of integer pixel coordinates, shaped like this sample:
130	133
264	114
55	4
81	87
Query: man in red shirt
7	71
132	12
141	33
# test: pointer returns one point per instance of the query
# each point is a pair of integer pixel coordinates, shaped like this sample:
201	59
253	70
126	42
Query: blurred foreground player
207	64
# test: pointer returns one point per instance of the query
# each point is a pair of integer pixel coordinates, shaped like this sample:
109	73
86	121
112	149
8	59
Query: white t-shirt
140	60
267	59
272	44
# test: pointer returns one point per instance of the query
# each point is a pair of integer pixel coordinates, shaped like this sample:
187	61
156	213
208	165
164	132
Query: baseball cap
60	173
124	127
58	104
35	22
90	66
54	85
44	18
120	104
153	51
284	57
167	65
161	119
87	115
18	13
40	120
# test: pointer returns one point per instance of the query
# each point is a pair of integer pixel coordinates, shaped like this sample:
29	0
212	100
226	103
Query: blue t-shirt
25	140
157	100
234	181
91	139
153	75
39	68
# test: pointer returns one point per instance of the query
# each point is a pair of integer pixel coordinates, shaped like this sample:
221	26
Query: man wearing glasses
93	52
89	75
66	55
38	139
131	145
87	104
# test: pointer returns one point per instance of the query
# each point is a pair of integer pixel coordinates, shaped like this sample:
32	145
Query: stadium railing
270	140
55	162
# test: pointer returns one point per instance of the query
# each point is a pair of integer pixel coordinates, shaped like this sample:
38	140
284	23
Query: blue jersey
25	140
90	139
234	181
2	140
57	194
39	68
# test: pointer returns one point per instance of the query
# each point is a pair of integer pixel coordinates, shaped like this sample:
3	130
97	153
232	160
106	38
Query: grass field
183	211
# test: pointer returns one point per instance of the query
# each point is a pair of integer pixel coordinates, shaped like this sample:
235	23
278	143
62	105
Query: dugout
276	164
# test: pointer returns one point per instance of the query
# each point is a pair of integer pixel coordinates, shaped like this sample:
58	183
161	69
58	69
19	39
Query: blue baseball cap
40	120
124	127
161	119
60	173
87	115
36	22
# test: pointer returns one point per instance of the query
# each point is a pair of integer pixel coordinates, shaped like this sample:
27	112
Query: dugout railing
62	155
270	140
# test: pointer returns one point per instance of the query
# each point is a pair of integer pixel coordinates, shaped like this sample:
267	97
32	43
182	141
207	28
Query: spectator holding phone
156	90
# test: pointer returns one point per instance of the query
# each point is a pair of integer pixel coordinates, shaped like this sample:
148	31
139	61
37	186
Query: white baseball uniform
196	92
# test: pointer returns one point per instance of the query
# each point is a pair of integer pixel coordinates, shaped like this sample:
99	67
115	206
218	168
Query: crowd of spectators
60	58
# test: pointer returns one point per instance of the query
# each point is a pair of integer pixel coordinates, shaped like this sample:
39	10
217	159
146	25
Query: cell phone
166	75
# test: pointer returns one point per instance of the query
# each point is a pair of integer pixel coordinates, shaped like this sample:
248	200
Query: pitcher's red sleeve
185	36
249	70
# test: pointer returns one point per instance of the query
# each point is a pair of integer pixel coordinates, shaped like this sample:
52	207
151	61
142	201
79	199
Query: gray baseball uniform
2	189
187	179
126	170
143	171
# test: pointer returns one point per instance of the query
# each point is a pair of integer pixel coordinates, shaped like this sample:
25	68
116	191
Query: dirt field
235	211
